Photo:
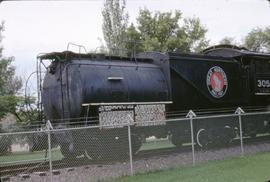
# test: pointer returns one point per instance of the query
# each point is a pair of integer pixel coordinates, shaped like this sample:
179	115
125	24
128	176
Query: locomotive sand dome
221	77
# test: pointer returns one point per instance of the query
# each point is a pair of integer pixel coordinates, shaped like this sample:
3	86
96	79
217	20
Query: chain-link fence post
130	151
130	146
49	127
239	111
191	115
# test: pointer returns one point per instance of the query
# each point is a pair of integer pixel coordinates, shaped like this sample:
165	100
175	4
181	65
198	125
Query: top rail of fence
131	123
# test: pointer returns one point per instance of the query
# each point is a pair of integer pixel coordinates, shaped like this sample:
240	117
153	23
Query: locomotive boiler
221	77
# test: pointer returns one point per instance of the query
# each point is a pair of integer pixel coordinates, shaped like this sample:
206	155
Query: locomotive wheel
222	136
229	135
112	148
250	130
253	135
65	150
101	147
136	143
92	149
89	154
177	140
202	138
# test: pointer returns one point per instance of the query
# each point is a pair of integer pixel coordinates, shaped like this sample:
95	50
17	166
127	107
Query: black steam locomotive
220	79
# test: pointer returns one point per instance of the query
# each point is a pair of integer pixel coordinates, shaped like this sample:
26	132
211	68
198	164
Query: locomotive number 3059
263	83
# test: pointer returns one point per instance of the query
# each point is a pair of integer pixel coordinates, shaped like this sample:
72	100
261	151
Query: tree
227	41
258	40
163	32
115	22
133	42
9	83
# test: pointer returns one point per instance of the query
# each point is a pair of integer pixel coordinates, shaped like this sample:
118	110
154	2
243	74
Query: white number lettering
259	83
263	83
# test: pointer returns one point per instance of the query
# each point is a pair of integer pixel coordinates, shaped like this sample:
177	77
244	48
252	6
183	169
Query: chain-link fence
24	155
97	152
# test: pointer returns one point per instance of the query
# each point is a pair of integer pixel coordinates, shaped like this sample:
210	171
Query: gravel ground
94	173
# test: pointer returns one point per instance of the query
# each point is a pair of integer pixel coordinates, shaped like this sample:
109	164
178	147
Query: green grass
28	156
255	168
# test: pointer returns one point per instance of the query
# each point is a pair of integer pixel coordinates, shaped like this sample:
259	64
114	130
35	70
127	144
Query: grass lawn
28	156
254	168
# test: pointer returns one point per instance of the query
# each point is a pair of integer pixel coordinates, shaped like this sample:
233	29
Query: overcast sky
37	27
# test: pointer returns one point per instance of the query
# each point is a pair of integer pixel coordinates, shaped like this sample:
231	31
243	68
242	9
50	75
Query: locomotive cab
262	76
255	71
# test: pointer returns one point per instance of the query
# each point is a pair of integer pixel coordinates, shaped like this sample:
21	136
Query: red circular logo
217	83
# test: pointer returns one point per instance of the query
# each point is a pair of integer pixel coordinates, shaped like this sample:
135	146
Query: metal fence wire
21	158
100	152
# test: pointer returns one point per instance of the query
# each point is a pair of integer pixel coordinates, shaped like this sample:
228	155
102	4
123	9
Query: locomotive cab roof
223	52
232	51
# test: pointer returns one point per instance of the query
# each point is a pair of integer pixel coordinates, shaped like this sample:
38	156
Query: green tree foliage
9	83
115	22
133	43
164	32
258	40
227	41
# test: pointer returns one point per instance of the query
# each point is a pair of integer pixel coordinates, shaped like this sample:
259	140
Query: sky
33	27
